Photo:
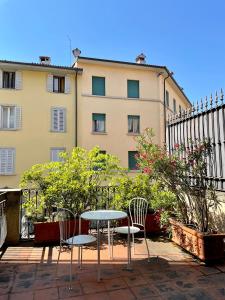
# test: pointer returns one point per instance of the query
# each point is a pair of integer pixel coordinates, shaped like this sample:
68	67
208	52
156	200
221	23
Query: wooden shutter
98	86
67	84
18	80
7	157
1	79
61	119
132	160
58	119
0	116
50	83
17	117
132	88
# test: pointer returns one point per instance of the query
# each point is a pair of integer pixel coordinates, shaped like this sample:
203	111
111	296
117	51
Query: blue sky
188	36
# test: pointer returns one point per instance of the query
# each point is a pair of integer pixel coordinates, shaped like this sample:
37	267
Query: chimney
140	59
76	53
45	60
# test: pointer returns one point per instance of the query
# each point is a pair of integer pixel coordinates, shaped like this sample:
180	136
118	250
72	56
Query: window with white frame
58	84
10	117
134	124
55	154
58	116
7	161
10	79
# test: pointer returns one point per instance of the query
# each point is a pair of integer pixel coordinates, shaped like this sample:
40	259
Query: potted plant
139	186
71	183
183	172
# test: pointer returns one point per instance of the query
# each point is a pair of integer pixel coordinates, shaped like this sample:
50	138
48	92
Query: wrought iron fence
204	121
103	197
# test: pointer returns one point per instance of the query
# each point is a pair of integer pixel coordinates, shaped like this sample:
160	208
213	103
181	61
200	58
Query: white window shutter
7	158
50	83
18	81
61	119
54	118
17	117
1	78
0	116
67	84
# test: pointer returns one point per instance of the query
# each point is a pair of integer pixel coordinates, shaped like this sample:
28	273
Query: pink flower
176	146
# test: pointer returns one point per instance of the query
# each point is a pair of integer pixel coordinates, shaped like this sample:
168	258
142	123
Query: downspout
164	87
75	113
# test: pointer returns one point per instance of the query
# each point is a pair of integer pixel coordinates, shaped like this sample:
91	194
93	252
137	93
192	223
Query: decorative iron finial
216	99
197	107
211	101
201	105
221	96
193	109
206	102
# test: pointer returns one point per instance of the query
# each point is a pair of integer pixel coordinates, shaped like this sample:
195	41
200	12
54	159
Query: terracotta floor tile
66	292
4	297
114	284
47	294
135	280
144	292
121	294
97	296
22	296
93	287
23	286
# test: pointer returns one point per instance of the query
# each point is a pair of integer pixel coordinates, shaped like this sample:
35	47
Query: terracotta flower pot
48	232
206	247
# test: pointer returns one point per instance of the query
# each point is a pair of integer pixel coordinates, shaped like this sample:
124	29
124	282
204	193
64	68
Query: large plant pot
48	232
207	247
152	223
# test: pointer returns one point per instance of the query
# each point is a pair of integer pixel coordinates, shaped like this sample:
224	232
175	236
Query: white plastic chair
137	211
67	230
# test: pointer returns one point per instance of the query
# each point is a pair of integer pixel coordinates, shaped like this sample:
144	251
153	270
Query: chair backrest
67	224
138	208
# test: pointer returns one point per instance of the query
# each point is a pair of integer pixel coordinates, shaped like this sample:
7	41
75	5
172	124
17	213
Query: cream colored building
45	109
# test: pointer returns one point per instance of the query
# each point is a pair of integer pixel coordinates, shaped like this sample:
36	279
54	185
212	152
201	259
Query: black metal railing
103	197
205	121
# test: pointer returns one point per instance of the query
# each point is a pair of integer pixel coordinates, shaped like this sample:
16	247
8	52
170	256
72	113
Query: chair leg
133	243
71	261
57	267
81	257
112	243
146	244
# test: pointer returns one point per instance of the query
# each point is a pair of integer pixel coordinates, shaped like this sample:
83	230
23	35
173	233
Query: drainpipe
164	87
75	114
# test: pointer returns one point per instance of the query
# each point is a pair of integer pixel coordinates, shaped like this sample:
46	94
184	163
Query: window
98	86
133	88
102	151
8	81
133	124
132	161
98	122
174	105
55	154
7	161
10	117
167	99
58	84
58	119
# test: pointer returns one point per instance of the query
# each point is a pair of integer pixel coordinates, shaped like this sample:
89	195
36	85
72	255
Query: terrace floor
28	272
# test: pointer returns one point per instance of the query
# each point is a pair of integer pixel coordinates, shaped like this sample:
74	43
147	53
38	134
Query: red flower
176	146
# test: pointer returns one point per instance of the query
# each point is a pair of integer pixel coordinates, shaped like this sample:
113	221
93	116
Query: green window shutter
133	88
132	162
98	86
98	117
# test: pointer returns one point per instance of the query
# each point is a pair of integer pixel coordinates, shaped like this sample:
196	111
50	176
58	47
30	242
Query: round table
107	215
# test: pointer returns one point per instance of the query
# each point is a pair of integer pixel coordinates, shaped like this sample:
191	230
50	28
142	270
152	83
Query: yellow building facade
45	109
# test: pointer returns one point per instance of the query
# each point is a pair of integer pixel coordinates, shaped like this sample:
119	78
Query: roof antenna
70	48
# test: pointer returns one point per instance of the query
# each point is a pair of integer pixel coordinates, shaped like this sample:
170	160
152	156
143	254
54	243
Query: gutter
164	102
75	111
